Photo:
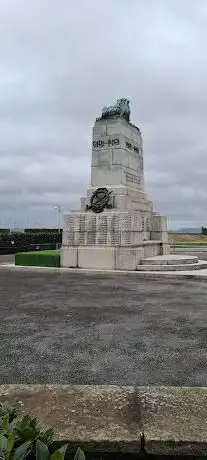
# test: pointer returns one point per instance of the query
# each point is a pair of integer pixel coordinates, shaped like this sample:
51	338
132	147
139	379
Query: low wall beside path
153	420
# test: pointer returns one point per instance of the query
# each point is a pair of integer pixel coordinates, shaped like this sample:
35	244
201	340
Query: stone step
199	265
170	259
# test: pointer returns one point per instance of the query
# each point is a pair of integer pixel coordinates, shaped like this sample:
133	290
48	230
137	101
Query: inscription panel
102	223
113	223
136	222
91	238
131	146
107	229
70	240
126	238
69	221
148	224
133	178
91	223
115	141
102	229
125	223
79	238
77	218
101	238
82	223
115	238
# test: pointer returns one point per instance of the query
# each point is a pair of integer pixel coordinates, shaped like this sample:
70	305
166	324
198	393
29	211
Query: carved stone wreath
99	200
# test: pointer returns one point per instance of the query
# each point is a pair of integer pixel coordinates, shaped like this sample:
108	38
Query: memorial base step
171	263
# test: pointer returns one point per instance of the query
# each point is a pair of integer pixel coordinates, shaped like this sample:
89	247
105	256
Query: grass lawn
188	239
190	245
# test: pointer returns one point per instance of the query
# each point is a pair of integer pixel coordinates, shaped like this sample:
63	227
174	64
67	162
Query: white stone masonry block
68	257
96	258
159	223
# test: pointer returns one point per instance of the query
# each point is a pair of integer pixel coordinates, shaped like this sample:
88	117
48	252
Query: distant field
187	238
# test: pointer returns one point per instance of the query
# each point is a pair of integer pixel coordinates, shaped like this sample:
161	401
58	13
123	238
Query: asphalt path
92	328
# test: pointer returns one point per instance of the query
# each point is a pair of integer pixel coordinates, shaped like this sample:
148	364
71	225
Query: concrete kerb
109	418
192	274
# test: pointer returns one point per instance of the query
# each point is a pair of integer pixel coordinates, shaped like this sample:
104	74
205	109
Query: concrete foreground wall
161	420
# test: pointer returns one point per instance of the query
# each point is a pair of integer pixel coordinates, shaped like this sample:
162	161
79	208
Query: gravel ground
83	328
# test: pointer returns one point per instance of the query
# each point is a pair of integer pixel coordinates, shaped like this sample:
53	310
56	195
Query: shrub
27	437
11	412
42	230
24	239
4	230
38	259
29	429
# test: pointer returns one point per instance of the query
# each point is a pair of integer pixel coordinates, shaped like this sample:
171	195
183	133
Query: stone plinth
107	258
117	163
117	154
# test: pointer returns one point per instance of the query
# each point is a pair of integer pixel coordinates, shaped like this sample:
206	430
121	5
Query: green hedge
5	230
21	239
38	259
42	230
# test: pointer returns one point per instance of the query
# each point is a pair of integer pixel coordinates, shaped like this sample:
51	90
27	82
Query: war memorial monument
115	227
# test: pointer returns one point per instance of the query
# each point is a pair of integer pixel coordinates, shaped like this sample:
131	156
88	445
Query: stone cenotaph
115	228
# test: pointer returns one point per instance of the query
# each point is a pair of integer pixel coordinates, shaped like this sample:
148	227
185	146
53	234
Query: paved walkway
200	274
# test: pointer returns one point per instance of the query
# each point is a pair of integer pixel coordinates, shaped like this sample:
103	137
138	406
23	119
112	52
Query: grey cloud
62	61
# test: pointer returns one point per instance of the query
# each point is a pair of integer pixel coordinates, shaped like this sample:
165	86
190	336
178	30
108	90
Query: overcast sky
62	61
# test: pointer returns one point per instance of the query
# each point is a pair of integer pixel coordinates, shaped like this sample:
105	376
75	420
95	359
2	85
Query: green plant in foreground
26	436
29	429
26	429
42	452
7	442
7	410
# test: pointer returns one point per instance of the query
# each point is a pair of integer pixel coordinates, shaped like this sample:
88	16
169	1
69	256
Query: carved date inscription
106	143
